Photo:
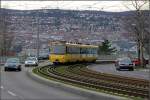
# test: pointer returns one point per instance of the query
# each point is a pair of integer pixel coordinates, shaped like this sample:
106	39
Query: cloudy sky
113	6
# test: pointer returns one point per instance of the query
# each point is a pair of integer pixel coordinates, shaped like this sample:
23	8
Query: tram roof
81	45
73	44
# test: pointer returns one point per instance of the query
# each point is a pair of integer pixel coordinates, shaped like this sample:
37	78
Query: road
18	86
110	68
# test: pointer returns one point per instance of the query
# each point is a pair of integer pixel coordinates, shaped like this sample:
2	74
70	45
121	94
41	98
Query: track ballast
80	75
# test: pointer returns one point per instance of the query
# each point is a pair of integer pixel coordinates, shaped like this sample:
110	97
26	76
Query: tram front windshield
58	49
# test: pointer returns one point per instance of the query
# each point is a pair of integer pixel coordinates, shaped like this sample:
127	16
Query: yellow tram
62	52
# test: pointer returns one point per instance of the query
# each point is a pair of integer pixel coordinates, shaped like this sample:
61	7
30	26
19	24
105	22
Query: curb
92	95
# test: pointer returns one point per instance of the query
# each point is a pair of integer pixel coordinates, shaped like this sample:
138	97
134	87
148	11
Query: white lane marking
11	93
2	87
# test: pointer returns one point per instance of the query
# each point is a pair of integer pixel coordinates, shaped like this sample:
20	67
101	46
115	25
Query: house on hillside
125	46
134	49
116	47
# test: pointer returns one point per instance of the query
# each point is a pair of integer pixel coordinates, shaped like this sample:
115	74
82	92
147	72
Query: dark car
12	64
124	63
43	56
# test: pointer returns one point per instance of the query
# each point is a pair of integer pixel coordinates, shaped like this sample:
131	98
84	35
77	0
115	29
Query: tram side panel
73	53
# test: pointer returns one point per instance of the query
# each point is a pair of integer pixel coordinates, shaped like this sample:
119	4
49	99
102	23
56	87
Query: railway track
79	74
110	77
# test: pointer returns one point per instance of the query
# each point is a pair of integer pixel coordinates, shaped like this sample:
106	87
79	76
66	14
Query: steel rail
93	82
109	77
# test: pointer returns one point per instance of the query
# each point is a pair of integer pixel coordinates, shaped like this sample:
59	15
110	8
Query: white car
31	61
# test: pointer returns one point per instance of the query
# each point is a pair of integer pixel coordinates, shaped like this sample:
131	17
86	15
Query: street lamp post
149	55
37	34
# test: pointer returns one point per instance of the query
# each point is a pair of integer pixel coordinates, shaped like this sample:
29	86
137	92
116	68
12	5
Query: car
137	61
12	64
124	63
31	61
43	55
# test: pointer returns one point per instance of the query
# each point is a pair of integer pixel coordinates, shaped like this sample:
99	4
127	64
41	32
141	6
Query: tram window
58	49
77	50
88	50
95	50
69	50
91	50
83	51
73	50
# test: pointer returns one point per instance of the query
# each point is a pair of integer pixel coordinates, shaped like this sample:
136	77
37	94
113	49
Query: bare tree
2	32
137	25
6	38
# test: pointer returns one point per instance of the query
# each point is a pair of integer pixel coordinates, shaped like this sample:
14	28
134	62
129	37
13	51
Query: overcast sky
113	6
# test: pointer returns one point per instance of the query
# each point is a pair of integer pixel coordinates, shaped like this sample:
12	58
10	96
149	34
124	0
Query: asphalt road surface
18	86
110	68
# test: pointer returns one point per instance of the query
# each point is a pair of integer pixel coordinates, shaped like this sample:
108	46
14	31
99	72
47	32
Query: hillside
69	25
